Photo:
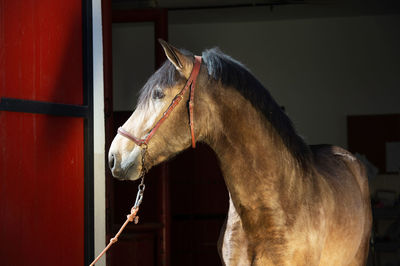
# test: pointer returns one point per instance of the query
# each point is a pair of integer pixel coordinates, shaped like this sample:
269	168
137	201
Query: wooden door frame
160	20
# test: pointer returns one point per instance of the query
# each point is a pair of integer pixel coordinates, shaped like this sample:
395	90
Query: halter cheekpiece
190	85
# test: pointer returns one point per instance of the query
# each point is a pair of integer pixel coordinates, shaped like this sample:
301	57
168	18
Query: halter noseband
190	85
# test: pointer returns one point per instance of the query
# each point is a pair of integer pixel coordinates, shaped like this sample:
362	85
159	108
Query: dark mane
232	73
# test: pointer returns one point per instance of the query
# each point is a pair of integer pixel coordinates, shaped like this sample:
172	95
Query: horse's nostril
115	164
111	161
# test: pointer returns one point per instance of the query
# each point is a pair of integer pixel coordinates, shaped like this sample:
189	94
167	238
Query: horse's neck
256	164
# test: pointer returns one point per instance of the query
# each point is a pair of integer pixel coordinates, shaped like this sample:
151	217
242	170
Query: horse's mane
232	73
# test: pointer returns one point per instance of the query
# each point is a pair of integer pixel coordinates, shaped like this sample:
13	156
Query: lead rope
132	217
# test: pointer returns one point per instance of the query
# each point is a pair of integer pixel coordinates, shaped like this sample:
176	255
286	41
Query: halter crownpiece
190	85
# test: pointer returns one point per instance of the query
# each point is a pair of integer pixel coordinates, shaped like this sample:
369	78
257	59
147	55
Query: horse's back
349	211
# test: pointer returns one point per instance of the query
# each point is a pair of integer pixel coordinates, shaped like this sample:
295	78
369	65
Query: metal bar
38	107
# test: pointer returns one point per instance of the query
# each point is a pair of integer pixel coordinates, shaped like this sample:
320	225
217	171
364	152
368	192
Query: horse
289	203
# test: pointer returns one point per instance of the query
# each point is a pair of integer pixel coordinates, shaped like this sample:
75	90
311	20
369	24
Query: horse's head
143	131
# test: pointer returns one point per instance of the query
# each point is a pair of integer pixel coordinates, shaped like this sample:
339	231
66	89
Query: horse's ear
182	63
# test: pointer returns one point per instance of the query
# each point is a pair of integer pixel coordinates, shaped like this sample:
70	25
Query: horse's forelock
165	76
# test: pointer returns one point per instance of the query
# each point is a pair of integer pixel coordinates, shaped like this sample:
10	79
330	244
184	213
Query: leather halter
190	85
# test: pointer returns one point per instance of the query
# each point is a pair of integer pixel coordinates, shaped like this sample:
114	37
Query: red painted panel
41	156
41	50
41	190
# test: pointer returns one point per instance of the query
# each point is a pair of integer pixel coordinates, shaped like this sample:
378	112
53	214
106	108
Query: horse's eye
158	94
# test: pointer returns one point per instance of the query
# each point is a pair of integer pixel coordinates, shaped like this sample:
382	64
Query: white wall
320	69
99	134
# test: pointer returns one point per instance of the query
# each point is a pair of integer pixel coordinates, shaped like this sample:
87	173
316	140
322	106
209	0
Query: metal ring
141	187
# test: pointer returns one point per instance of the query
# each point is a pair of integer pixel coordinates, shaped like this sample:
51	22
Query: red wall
41	50
41	156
